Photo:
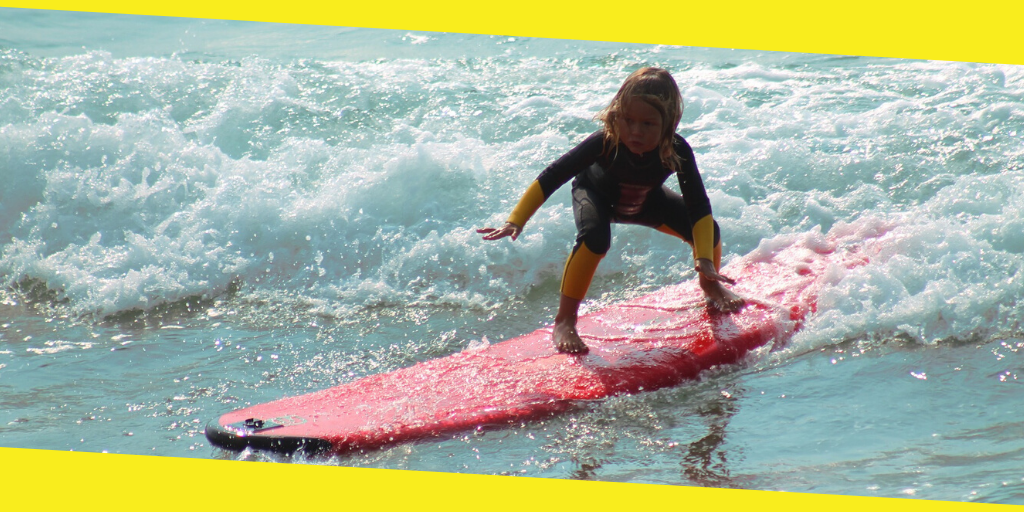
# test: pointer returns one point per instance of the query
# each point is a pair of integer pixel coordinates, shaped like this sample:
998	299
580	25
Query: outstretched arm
528	205
553	177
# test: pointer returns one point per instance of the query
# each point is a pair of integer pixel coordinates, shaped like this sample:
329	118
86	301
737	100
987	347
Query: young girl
619	175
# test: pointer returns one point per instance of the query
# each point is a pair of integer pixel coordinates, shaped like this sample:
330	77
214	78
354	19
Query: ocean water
198	215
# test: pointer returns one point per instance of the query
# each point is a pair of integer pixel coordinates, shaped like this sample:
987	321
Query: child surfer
619	176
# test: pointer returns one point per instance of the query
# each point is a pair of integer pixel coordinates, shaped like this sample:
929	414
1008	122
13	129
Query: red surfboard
655	341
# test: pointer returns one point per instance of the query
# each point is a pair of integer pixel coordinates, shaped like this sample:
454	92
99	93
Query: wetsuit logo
631	198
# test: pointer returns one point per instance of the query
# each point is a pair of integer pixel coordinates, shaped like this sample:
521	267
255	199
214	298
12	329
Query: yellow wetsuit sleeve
528	204
704	238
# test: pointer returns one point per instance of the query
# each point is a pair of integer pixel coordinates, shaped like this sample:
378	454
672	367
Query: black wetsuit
626	188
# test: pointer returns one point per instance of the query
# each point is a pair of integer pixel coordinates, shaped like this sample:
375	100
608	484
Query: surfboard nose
241	435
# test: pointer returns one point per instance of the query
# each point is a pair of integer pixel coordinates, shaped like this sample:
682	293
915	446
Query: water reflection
706	461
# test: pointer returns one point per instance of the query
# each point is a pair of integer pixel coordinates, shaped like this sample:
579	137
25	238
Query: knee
598	241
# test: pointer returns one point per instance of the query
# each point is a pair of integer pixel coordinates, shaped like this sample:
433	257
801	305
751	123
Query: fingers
724	279
707	269
492	233
508	229
715	276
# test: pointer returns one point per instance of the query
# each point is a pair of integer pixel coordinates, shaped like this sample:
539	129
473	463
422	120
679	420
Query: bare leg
720	297
564	334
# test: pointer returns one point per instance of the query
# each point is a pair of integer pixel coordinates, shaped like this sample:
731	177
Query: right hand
706	268
509	229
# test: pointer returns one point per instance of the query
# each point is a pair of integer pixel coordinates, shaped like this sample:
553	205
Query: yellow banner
982	31
46	480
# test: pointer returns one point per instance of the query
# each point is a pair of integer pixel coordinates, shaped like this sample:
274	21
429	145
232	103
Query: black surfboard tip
247	434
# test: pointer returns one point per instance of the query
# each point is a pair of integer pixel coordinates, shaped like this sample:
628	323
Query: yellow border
48	480
981	31
978	32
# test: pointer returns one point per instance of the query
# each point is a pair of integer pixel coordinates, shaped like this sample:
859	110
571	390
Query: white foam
134	181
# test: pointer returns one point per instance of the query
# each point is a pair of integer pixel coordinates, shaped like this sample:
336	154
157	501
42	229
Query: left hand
706	268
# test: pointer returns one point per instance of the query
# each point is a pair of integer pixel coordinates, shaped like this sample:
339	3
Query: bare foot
567	340
720	297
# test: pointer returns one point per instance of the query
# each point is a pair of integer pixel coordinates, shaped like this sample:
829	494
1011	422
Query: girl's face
639	126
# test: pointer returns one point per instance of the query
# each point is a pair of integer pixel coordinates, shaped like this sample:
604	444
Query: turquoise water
198	215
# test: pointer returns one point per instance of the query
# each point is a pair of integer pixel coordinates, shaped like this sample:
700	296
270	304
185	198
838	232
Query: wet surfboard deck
651	342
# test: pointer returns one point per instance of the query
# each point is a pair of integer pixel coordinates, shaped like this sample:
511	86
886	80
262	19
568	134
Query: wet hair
657	88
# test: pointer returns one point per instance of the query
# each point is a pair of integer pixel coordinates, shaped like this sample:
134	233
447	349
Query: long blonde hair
657	88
